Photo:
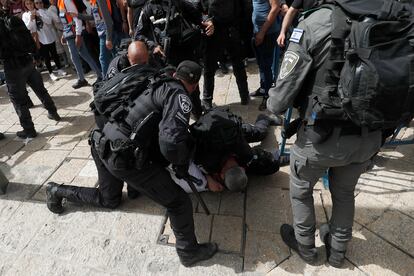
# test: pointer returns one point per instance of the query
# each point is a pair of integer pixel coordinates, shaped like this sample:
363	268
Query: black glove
181	171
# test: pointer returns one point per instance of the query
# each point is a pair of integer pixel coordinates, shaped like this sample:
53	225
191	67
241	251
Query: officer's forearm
287	20
176	153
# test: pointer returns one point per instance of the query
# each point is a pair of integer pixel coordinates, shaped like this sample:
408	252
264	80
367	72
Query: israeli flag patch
296	35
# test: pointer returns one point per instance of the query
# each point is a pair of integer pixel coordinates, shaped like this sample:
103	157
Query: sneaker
334	257
79	84
26	134
53	77
284	160
54	116
260	92
307	253
223	67
203	252
61	73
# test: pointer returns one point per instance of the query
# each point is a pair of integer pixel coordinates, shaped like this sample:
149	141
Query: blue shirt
261	9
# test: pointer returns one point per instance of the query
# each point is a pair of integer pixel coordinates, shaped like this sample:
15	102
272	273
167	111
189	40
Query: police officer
179	38
227	16
159	117
223	150
340	147
19	70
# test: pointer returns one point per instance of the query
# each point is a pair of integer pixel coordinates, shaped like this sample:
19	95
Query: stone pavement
136	238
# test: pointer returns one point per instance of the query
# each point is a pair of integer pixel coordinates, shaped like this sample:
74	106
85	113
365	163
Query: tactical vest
136	136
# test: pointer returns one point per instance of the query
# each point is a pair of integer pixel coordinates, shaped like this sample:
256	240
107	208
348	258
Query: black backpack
217	129
15	39
369	74
112	97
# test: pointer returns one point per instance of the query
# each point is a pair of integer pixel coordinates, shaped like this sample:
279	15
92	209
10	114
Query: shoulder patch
185	103
289	62
296	35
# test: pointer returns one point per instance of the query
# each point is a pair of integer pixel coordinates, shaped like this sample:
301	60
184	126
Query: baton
191	180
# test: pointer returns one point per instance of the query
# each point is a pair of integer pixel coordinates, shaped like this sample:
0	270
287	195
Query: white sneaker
61	73
53	77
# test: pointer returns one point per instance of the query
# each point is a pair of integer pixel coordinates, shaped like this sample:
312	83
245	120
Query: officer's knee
111	203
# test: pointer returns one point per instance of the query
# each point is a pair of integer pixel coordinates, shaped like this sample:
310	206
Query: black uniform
227	17
19	70
180	49
221	141
168	143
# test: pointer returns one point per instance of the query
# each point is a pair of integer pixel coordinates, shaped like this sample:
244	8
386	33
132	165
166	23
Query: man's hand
209	27
284	9
181	171
108	45
214	185
281	40
258	39
78	41
158	51
63	40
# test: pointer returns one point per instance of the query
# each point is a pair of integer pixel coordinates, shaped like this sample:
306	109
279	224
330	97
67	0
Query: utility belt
132	147
321	131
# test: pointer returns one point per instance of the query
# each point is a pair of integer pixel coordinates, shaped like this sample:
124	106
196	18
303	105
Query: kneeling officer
157	121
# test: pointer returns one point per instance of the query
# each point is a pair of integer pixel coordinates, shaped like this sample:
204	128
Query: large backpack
113	96
369	74
217	129
16	40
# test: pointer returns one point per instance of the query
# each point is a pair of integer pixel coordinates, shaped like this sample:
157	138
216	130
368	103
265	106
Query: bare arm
287	21
271	17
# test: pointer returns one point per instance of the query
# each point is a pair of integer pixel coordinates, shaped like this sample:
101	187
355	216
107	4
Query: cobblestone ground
136	238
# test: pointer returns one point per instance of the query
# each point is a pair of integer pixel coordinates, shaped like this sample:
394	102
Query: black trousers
229	39
257	132
155	182
47	51
16	79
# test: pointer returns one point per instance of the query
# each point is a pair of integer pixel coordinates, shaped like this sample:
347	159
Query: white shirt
46	33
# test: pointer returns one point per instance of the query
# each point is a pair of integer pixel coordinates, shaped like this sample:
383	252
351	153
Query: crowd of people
144	95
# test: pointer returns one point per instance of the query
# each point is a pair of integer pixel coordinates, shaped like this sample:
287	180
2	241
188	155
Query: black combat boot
307	253
56	192
334	257
203	251
132	192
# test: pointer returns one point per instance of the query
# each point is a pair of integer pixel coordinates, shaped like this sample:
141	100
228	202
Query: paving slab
267	209
232	204
68	170
396	228
227	231
264	251
220	264
375	256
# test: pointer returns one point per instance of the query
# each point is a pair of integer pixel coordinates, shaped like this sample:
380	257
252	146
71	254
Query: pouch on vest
368	77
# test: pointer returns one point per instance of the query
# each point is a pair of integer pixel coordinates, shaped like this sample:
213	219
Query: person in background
265	31
72	34
16	8
39	20
291	15
101	15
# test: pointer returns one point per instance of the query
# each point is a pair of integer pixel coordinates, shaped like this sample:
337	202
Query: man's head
189	73
138	53
234	176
